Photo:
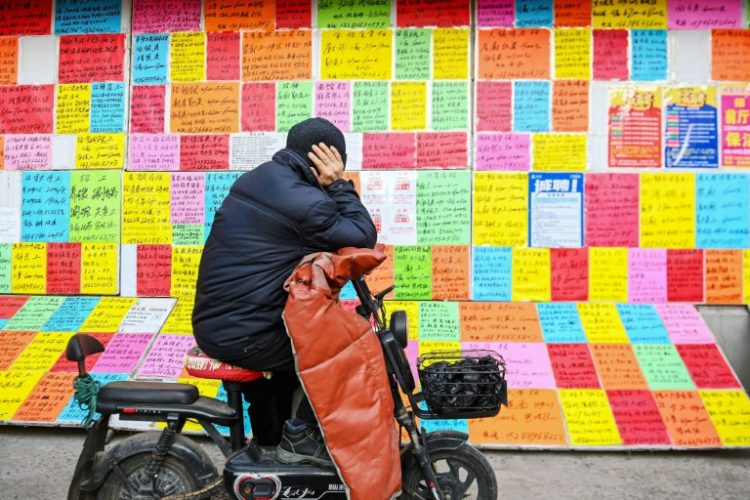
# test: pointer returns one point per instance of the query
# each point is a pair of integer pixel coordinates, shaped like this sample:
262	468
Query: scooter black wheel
123	481
461	473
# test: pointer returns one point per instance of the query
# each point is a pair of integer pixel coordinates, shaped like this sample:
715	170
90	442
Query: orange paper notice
499	322
514	54
205	108
277	55
450	272
687	420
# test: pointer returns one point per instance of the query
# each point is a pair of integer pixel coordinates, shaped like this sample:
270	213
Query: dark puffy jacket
272	217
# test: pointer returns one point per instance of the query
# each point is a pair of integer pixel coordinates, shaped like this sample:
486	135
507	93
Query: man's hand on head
329	167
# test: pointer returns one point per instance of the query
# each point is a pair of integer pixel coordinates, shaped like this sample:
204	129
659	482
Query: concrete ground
36	463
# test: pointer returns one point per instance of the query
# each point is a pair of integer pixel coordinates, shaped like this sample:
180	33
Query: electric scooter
167	465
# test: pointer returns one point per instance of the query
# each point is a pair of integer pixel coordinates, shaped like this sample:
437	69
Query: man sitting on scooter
294	205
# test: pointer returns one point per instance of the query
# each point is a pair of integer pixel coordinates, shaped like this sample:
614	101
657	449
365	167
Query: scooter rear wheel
173	478
461	473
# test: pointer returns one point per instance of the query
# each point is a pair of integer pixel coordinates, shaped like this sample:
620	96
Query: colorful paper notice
8	60
45	212
95	206
687	420
608	274
356	55
724	276
123	353
48	398
663	367
570	273
637	417
16	386
730	414
444	208
722	210
570	107
527	364
210	108
612	210
370	106
730	57
450	106
164	359
438	321
408	105
277	55
344	14
531	101
649	55
495	13
691	130
735	126
685	275
42	352
413	54
412	269
556	210
513	54
531	274
146	204
707	366
635	127
626	14
87	16
500	213
502	152
617	366
560	322
150	59
684	324
22	17
29	269
667	210
166	16
559	152
572	49
602	323
499	322
73	107
495	112
28	108
442	13
647	275
91	58
233	15
643	324
188	56
589	418
105	151
450	54
99	269
11	345
685	14
573	366
34	314
610	54
491	273
293	104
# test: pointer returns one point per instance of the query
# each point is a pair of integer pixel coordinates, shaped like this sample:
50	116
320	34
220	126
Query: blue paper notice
556	210
74	413
348	292
643	324
223	396
87	16
150	59
45	206
2	323
722	210
649	50
534	13
691	135
491	273
71	314
560	322
217	188
108	107
531	102
458	424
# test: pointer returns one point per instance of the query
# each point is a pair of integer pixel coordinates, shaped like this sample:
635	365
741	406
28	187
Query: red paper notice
26	109
25	17
292	14
638	418
91	58
64	268
154	270
258	107
635	128
495	112
611	210
610	54
441	149
204	152
223	55
684	275
570	274
441	13
147	109
10	304
573	366
389	151
707	366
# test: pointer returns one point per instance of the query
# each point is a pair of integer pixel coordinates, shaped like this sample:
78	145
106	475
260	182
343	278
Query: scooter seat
201	365
147	393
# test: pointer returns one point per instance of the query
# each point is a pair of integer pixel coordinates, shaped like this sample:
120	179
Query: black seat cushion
148	393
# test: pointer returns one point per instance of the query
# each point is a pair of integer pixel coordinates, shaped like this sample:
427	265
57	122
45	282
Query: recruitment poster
691	134
735	126
635	127
556	210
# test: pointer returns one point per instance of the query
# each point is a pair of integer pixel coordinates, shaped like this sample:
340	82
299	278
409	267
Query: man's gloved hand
329	167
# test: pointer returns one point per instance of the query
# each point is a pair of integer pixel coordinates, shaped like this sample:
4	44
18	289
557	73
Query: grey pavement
36	463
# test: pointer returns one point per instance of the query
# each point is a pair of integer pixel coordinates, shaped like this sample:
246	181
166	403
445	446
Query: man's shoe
301	442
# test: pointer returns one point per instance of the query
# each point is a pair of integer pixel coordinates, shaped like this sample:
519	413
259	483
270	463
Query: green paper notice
412	267
370	108
187	234
95	199
450	106
35	313
444	207
5	262
348	14
293	104
413	54
663	367
439	321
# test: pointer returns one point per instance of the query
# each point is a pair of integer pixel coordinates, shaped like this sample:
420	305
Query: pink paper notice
166	355
333	102
495	13
154	152
502	152
188	196
647	275
166	16
28	152
123	353
684	324
706	14
527	363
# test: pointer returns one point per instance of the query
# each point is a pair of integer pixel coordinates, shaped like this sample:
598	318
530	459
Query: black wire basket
468	384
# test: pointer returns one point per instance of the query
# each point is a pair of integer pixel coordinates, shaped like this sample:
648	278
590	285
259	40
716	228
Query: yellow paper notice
450	54
602	324
185	260
412	313
556	152
43	351
531	275
100	151
629	14
746	275
15	387
589	418
73	108
356	54
667	210
500	209
730	414
572	53
99	268
188	56
608	274
145	208
206	387
107	315
180	320
430	346
408	105
29	268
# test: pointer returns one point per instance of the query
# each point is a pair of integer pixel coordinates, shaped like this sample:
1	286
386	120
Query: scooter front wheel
125	480
461	473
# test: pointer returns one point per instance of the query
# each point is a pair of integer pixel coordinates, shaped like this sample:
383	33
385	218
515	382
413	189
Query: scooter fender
182	449
437	440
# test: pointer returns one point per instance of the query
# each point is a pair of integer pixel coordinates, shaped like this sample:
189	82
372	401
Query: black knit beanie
303	135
